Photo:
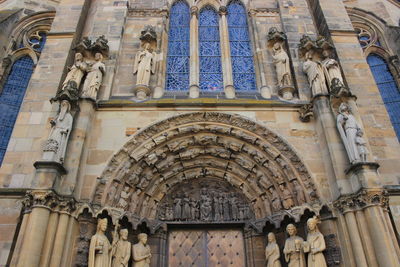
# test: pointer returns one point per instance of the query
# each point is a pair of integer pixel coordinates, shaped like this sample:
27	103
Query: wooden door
206	248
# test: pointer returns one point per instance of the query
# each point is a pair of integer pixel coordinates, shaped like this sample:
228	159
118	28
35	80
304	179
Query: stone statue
331	68
121	252
177	208
267	205
94	78
315	245
299	192
287	199
185	207
56	144
282	65
226	212
124	198
275	200
206	209
100	247
233	201
293	249
134	200
70	86
144	65
315	74
143	208
348	127
193	209
141	252
272	253
361	145
217	211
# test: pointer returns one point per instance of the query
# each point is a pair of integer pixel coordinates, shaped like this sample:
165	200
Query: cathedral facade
199	133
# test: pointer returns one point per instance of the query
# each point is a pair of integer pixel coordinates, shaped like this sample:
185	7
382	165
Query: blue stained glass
178	47
11	98
388	89
210	50
242	57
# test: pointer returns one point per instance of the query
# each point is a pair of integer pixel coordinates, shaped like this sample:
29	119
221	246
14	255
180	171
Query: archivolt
195	145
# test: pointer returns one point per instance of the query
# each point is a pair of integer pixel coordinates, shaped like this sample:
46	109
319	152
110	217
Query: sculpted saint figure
282	65
315	74
275	200
287	197
299	193
121	252
74	76
315	245
348	127
272	253
331	68
141	252
177	208
361	145
185	207
267	205
144	65
134	200
124	198
293	249
94	78
144	206
100	247
56	144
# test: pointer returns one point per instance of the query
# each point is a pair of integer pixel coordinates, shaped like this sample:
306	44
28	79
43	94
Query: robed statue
315	74
272	253
100	247
293	249
282	65
144	65
141	252
70	86
94	78
315	245
121	251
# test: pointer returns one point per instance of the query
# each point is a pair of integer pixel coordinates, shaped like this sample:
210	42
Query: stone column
355	239
20	240
49	240
59	240
366	239
229	89
194	90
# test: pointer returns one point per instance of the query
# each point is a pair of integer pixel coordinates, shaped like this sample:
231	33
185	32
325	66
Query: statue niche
208	200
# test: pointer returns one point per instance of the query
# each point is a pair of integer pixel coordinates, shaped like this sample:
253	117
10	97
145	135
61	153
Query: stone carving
272	253
134	200
275	200
100	247
144	66
362	199
348	128
121	251
314	245
293	249
267	205
56	144
333	255
331	68
306	112
287	199
315	74
148	34
88	47
141	252
70	87
361	145
143	208
283	72
298	192
94	78
123	201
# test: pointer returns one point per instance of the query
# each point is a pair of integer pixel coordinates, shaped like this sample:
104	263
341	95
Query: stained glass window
241	53
178	48
210	50
11	98
388	89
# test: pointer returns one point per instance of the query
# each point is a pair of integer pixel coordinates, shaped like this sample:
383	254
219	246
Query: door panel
206	248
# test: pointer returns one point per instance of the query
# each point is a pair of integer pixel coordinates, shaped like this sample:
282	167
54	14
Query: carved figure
293	249
361	145
56	143
282	65
287	197
331	68
124	198
205	209
233	201
143	209
94	78
227	215
185	207
177	208
275	200
299	193
272	253
144	65
100	247
121	252
134	200
267	205
315	245
194	209
315	74
70	86
348	127
217	211
141	252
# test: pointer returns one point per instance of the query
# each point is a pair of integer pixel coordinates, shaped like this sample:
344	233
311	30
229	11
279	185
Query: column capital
48	199
194	11
223	11
362	199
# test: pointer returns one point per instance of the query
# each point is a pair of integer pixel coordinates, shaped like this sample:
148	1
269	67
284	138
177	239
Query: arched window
388	89
11	98
241	53
210	50
178	48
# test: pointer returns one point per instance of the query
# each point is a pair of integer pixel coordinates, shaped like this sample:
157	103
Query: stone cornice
363	199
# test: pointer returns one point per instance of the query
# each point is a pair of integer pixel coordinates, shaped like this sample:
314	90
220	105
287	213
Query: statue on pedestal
121	252
361	145
272	253
144	66
141	252
56	144
94	78
283	72
293	249
315	74
287	199
70	86
315	245
100	247
331	68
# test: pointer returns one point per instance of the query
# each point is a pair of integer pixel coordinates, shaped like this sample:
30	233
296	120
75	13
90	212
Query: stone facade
282	160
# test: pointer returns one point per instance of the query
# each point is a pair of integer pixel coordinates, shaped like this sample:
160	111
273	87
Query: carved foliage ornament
361	200
49	200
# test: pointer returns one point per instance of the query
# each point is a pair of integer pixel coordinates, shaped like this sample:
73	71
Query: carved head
312	224
102	225
344	108
78	57
291	229
309	55
142	238
123	233
98	57
271	238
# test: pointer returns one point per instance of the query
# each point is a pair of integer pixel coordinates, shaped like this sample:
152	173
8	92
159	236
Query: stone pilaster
194	89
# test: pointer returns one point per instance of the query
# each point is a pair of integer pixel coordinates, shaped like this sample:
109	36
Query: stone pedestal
286	92
229	92
265	92
141	91
194	91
